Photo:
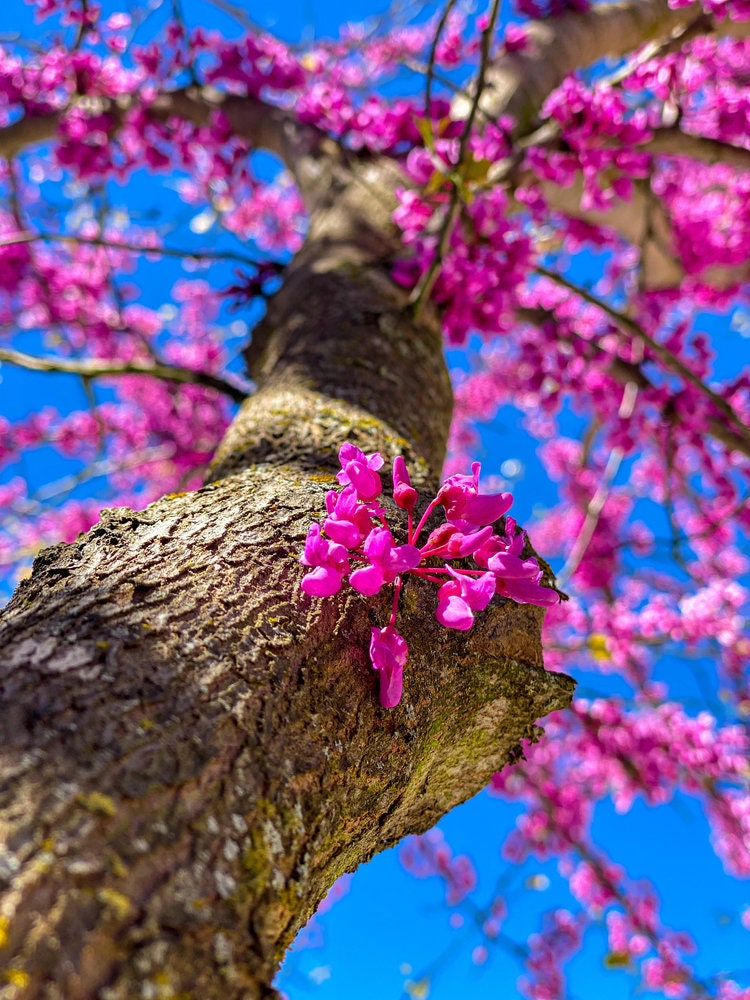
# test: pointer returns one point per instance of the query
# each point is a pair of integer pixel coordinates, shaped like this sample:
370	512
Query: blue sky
389	927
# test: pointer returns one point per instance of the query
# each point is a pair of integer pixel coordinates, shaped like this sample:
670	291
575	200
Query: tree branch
100	241
641	220
429	73
674	142
262	125
422	291
28	131
100	369
740	434
671	141
520	82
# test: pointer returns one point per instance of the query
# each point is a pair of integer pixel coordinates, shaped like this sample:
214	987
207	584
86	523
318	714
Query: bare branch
596	504
37	504
101	369
158	251
430	69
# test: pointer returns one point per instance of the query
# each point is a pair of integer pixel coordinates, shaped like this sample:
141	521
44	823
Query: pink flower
448	541
516	578
465	507
404	494
512	567
386	560
361	471
527	592
461	596
389	653
330	562
354	533
348	521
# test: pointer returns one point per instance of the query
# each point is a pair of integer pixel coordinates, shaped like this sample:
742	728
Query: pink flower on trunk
527	592
451	543
404	493
465	507
357	529
387	561
460	597
389	653
516	578
361	471
348	521
330	563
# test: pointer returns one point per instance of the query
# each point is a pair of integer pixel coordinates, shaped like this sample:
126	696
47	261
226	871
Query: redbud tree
241	258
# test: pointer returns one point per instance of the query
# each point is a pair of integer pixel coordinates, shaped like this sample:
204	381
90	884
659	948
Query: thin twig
674	364
100	369
97	470
432	56
100	241
596	504
422	291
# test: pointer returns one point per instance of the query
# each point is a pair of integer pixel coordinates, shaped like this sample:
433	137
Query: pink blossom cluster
558	823
326	82
560	938
250	65
357	529
483	269
637	939
735	10
539	9
652	751
429	856
602	135
147	436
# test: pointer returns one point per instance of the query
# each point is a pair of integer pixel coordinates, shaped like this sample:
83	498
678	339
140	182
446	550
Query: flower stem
397	585
438	569
432	505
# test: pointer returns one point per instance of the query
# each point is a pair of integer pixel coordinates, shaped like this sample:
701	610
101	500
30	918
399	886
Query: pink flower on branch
361	471
465	507
389	653
357	529
387	562
460	597
329	561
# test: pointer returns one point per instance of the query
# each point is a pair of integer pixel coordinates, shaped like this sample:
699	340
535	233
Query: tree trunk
191	750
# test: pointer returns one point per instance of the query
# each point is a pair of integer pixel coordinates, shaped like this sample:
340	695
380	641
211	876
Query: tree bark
191	750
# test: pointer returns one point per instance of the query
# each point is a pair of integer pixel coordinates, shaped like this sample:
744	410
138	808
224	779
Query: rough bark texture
191	750
192	753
